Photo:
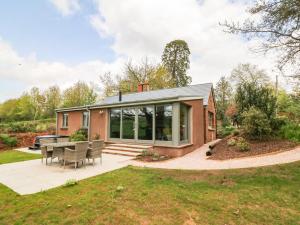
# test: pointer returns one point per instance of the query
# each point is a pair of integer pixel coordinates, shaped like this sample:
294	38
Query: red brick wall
211	133
98	126
74	122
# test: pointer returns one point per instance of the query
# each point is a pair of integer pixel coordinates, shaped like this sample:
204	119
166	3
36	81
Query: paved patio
32	176
197	160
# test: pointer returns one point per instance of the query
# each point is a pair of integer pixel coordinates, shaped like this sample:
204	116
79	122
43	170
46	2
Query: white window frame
65	120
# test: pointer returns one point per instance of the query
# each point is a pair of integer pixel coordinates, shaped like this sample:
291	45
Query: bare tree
278	26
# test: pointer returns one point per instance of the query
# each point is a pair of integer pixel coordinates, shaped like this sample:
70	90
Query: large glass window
145	123
163	122
184	122
65	121
115	122
85	119
128	123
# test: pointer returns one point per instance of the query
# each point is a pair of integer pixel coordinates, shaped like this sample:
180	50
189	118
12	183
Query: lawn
10	156
151	196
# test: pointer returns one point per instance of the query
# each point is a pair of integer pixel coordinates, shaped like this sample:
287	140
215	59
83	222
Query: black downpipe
120	96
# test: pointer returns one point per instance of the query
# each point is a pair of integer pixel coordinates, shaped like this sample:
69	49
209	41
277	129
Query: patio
32	176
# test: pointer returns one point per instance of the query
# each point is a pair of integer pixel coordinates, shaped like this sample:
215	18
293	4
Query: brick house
172	121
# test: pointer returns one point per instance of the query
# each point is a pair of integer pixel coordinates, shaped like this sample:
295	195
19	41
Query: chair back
97	144
43	150
63	139
46	141
81	149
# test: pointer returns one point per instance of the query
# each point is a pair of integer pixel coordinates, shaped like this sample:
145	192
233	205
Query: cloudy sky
59	42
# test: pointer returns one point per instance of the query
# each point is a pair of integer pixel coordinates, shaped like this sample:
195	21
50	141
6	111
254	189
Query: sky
58	42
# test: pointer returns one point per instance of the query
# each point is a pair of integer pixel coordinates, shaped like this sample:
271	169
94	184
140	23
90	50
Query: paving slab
32	176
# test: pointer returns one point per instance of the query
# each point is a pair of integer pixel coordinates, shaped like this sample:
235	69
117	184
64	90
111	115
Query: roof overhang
122	104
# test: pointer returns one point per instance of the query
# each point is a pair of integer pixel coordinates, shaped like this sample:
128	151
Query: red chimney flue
143	87
140	88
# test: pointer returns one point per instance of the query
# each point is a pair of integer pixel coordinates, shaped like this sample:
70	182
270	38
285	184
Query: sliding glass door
145	123
128	123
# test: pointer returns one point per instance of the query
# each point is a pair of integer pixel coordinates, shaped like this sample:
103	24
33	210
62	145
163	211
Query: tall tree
278	26
52	101
37	102
157	76
223	94
247	73
79	94
176	59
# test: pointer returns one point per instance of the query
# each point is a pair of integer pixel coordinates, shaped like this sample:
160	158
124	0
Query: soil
222	151
24	139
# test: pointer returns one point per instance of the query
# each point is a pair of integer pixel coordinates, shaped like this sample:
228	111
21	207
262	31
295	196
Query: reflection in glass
115	121
183	122
163	122
128	123
145	122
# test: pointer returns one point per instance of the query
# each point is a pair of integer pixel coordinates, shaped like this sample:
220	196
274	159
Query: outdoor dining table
59	145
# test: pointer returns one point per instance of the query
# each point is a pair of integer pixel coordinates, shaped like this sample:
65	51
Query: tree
155	75
278	26
52	101
252	95
223	93
176	59
79	94
247	73
37	102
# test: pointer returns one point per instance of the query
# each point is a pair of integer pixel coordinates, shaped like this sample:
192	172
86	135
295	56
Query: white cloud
66	7
142	28
32	72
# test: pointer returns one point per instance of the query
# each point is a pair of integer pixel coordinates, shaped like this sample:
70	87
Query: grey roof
198	90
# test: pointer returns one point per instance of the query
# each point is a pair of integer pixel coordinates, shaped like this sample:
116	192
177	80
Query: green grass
16	156
151	196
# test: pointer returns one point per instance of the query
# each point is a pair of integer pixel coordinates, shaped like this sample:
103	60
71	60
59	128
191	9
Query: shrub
231	142
79	135
9	141
226	131
290	131
242	144
256	124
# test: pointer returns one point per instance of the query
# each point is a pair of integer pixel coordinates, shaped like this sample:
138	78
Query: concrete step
126	149
115	152
134	146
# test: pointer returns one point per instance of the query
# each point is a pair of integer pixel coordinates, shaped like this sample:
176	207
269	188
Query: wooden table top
61	144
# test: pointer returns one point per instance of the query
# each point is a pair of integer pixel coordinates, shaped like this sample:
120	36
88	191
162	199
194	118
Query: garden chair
44	149
76	155
95	151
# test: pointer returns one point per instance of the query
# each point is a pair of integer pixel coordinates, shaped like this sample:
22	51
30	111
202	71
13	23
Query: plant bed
227	149
147	156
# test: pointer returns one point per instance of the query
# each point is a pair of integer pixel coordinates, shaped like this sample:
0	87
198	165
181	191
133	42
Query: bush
226	131
79	135
256	124
231	142
242	144
290	131
9	141
28	126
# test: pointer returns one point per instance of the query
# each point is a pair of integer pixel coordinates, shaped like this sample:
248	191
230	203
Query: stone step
125	149
134	146
115	152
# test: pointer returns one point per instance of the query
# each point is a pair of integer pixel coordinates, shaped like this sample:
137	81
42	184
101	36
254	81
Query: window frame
211	116
65	120
85	118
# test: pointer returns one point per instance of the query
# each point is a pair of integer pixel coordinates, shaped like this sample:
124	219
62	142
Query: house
173	121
